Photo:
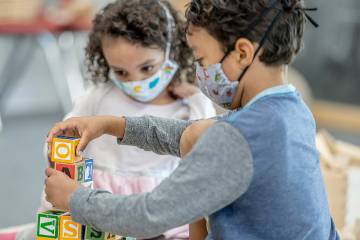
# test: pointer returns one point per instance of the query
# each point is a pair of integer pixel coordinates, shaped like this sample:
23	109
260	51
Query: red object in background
41	25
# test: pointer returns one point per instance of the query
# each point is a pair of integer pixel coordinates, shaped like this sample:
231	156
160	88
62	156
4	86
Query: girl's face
131	62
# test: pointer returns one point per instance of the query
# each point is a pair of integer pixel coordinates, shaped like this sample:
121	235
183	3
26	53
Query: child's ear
244	52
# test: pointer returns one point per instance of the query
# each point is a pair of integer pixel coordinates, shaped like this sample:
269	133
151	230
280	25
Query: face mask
212	79
215	84
148	89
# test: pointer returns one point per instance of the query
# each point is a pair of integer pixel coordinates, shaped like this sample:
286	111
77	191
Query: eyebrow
147	62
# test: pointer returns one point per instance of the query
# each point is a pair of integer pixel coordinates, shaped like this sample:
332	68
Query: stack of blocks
54	224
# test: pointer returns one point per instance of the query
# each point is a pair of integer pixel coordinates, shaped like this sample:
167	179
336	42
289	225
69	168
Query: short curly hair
229	20
141	22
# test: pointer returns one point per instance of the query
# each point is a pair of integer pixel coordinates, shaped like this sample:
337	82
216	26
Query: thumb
84	141
50	171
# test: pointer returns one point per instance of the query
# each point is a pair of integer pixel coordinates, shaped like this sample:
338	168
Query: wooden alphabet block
64	150
68	169
59	225
69	230
80	171
93	234
88	170
48	225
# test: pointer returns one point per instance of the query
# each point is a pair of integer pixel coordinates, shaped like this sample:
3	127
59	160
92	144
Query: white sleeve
200	107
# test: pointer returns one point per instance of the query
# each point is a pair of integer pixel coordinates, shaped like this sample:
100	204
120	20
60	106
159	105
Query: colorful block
59	225
69	230
93	234
68	169
64	150
89	168
48	225
78	171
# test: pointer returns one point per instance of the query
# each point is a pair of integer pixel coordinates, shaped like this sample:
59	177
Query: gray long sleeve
158	135
214	174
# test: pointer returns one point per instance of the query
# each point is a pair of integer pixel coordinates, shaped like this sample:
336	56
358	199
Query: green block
48	224
80	173
93	234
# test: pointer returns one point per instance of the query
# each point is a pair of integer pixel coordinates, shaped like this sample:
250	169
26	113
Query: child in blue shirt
255	172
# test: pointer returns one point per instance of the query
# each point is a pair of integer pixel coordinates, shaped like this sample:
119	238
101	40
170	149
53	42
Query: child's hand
184	90
192	133
88	128
59	188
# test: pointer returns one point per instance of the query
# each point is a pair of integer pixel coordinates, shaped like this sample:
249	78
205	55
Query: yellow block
69	230
64	150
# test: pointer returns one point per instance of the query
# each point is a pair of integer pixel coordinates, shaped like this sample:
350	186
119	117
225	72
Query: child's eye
121	73
147	68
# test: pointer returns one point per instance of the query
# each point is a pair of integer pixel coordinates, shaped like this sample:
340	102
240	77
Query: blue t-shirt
286	198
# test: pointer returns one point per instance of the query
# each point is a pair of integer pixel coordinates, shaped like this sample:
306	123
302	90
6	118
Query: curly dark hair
141	22
229	20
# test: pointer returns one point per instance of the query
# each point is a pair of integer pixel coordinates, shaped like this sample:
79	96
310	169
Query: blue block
89	168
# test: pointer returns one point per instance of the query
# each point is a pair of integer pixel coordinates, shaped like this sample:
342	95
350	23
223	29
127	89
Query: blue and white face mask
148	89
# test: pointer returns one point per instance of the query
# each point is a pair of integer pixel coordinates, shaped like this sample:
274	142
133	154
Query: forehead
199	39
121	51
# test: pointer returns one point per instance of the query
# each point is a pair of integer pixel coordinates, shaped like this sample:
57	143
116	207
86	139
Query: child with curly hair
140	64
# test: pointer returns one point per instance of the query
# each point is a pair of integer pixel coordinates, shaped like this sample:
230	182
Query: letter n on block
48	225
69	230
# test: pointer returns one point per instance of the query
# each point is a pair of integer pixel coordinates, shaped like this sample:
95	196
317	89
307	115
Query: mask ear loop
170	29
262	42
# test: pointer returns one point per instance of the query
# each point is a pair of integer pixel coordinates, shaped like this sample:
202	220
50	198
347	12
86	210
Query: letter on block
64	150
69	230
80	173
75	171
68	169
88	174
48	225
93	234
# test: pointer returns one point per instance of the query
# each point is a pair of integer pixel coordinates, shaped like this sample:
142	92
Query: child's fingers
50	171
54	131
84	140
61	128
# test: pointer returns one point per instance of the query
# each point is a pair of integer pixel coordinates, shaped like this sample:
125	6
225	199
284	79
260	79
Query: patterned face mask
215	84
148	89
212	79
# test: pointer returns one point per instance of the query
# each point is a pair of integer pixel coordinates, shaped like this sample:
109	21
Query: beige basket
19	10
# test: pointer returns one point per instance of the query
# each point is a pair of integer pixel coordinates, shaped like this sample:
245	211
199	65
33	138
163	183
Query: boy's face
131	62
208	50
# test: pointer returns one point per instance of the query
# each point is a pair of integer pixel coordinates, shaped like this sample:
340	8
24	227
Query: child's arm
213	175
198	230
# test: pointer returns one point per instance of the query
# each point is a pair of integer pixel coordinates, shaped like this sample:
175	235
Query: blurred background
42	72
